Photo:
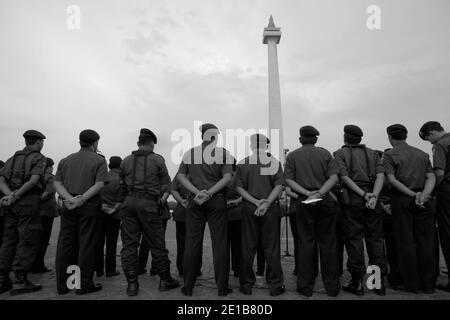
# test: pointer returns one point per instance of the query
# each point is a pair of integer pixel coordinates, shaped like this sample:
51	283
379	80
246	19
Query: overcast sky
165	64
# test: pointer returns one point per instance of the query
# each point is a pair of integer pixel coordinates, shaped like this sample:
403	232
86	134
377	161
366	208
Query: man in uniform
205	171
21	183
412	180
362	173
259	180
110	221
311	172
79	179
394	279
48	211
144	179
436	135
143	247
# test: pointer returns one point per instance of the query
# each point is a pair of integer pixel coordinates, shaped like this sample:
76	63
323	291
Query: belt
142	195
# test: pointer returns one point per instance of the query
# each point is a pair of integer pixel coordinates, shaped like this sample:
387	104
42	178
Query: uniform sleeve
332	167
102	172
289	168
379	168
60	171
388	163
184	168
439	157
7	169
429	166
49	185
38	165
278	178
339	157
164	178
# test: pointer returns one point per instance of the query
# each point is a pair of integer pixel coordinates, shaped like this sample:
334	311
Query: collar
142	152
86	150
354	146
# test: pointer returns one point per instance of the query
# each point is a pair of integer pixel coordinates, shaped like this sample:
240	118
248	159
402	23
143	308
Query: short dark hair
85	144
145	139
351	139
31	141
308	139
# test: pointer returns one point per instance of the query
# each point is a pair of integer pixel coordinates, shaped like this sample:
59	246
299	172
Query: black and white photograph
219	159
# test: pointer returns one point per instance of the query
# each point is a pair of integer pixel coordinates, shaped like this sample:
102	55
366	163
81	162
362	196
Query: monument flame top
271	32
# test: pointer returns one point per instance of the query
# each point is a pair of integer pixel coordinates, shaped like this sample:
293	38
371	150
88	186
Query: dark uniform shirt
310	166
24	164
202	173
79	171
150	173
441	155
408	164
250	176
360	173
48	206
110	192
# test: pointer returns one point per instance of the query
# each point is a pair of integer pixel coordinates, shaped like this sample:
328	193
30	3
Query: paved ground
114	288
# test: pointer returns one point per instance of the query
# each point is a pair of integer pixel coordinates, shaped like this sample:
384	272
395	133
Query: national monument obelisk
271	37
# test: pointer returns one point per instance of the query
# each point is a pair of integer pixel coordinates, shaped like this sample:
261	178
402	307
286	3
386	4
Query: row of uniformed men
310	172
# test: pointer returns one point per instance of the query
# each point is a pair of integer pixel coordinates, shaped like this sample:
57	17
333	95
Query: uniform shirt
110	191
34	165
310	166
441	155
360	172
205	173
408	164
48	206
79	171
156	179
250	176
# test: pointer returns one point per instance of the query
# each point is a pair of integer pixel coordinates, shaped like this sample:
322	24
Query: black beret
309	131
148	133
262	139
2	164
89	136
207	126
30	134
397	131
115	161
353	130
49	162
427	127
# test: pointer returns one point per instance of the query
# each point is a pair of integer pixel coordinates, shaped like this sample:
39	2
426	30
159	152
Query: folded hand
202	197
